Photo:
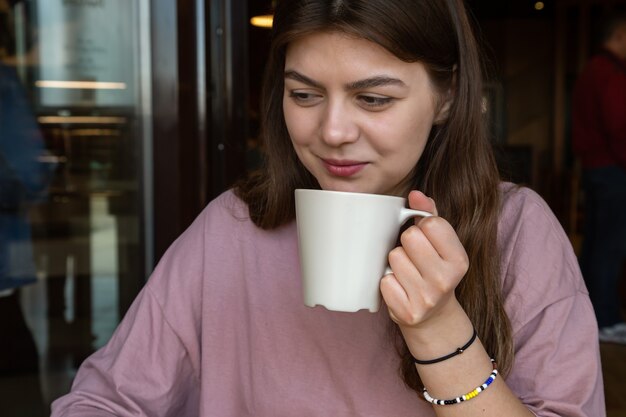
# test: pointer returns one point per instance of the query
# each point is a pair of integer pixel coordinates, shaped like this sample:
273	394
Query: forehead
336	45
342	54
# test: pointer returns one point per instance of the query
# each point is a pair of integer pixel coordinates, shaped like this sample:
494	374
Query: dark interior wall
537	56
521	54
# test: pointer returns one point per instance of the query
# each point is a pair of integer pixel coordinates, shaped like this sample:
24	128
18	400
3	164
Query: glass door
75	186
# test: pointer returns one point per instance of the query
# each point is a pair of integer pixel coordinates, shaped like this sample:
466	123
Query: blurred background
121	119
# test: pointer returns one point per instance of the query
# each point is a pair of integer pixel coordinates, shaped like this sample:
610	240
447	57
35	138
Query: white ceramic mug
344	241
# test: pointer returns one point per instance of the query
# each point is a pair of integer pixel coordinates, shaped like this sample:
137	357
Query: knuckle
447	286
464	263
443	284
414	318
430	223
396	254
410	235
429	301
461	265
409	316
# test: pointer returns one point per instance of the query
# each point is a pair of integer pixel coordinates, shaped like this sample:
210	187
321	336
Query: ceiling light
81	120
84	85
262	21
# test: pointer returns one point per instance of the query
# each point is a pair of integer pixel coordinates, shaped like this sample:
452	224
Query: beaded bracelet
458	351
467	396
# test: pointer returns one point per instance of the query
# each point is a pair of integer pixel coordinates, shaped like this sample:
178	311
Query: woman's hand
427	268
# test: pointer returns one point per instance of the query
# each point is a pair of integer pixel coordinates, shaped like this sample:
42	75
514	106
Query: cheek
289	121
405	134
418	126
298	125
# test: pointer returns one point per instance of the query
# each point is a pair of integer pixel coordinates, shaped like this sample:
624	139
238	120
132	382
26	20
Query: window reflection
71	189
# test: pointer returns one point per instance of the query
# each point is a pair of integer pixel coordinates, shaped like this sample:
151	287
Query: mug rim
348	193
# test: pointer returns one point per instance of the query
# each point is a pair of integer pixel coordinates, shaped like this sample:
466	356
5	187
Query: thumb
419	201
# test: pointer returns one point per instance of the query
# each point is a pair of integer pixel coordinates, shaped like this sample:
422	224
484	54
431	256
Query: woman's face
358	116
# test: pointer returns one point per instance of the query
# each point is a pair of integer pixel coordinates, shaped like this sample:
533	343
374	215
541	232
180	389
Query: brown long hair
457	167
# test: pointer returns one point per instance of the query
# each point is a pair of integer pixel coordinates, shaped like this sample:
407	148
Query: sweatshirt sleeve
557	369
144	370
557	362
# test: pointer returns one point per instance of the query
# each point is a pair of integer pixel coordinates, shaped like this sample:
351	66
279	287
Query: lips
343	167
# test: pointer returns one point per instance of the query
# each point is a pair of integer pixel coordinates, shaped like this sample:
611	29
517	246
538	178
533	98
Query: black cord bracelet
458	351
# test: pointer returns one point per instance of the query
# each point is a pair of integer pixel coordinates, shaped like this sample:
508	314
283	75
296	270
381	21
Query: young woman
377	96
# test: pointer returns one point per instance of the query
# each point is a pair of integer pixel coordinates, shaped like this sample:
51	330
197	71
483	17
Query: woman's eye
375	101
300	96
304	98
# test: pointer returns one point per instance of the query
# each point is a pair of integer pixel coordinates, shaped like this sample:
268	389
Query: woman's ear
444	108
446	101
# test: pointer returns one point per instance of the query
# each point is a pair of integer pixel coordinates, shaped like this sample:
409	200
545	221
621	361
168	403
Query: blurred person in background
23	181
599	140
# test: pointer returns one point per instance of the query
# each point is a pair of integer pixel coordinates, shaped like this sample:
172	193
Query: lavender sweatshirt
220	329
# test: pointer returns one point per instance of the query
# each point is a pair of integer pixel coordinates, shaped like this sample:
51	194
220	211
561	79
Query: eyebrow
296	76
376	81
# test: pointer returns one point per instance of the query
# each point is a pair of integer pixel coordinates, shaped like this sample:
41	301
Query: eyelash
375	101
299	96
304	99
368	101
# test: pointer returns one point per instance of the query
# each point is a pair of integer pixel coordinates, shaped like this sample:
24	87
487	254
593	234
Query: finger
393	293
436	252
405	273
443	239
407	295
420	254
396	299
419	201
419	249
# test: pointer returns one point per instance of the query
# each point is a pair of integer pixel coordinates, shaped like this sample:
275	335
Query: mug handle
406	214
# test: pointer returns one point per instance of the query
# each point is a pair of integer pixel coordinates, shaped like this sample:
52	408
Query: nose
338	126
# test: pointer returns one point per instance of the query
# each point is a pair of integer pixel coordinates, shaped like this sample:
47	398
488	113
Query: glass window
74	153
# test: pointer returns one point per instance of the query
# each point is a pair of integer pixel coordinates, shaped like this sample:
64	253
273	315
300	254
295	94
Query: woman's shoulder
522	206
527	224
189	264
514	196
228	207
215	228
223	228
539	267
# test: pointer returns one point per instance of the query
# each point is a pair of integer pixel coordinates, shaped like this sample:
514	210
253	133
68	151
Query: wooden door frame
199	61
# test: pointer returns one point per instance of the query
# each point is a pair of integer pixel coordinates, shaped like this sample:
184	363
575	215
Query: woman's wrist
458	351
440	335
